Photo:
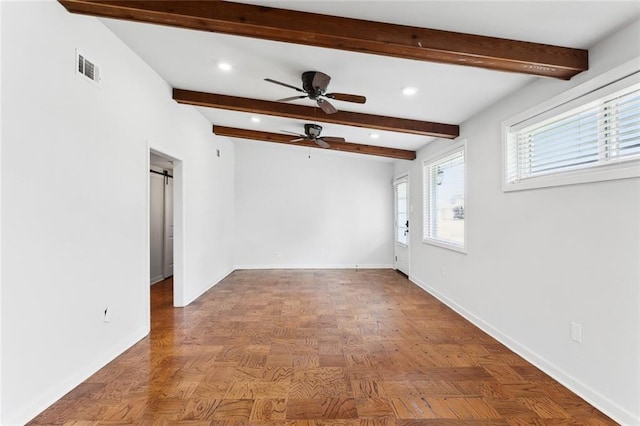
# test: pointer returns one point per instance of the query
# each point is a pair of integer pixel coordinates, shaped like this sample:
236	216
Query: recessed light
409	91
255	119
224	66
374	135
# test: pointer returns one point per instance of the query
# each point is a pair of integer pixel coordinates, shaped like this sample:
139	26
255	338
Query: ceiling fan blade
332	139
291	98
270	80
326	106
322	143
347	97
294	133
320	81
298	140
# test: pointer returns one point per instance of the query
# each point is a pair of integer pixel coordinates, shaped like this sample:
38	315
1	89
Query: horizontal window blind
624	128
602	131
445	199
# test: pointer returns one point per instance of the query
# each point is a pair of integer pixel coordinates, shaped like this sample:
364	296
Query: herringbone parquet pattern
317	347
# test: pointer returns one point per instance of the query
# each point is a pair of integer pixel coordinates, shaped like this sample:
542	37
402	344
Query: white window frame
612	81
426	193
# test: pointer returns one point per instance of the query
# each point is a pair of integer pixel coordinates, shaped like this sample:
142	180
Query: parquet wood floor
317	347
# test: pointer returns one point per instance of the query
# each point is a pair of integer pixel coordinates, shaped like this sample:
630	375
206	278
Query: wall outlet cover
576	332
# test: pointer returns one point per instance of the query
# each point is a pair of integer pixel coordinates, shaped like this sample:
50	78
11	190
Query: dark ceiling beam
355	35
336	146
281	109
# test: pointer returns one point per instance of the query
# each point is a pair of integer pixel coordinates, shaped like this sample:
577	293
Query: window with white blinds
592	134
444	199
402	218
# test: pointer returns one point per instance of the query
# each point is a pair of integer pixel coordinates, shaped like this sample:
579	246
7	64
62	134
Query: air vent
87	68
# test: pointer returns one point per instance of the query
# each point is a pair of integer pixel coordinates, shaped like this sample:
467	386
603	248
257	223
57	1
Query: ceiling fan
314	86
312	134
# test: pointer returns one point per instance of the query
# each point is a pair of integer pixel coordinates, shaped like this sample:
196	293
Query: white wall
75	232
1	221
332	210
539	259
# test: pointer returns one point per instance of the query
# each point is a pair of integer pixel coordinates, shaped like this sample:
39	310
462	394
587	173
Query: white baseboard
157	279
602	403
205	288
318	266
256	267
46	399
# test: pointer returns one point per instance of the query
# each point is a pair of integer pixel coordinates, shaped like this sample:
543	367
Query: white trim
458	143
1	274
604	172
318	266
157	279
445	245
400	176
147	238
206	288
602	403
46	399
624	75
179	234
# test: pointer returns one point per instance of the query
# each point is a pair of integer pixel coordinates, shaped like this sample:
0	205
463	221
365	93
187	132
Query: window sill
445	245
614	171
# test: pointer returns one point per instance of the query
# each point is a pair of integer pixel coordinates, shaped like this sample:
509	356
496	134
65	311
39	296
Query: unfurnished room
354	212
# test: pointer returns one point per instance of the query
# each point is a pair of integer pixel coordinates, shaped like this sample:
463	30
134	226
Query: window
402	219
593	136
444	199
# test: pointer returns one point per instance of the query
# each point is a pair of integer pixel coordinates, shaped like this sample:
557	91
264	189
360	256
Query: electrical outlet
576	332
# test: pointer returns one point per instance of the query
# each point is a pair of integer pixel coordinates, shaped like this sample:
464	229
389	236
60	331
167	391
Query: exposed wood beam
370	121
346	34
336	146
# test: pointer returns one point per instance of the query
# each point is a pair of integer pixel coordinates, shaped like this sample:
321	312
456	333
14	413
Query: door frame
405	176
178	227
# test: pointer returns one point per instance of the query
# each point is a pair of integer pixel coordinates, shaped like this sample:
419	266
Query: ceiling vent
87	68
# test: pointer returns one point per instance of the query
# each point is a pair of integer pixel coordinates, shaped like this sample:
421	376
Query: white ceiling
449	94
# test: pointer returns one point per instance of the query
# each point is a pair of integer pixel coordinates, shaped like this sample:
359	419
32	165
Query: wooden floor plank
316	347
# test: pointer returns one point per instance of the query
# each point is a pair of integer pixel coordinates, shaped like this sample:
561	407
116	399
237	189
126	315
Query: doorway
165	222
401	223
160	218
